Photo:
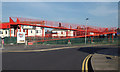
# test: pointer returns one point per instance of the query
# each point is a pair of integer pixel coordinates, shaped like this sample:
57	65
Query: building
57	33
4	33
30	31
48	34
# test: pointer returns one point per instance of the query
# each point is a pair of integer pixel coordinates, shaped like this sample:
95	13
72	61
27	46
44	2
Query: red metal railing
65	25
58	25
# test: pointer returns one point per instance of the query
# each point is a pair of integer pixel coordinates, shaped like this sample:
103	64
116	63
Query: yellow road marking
86	66
84	63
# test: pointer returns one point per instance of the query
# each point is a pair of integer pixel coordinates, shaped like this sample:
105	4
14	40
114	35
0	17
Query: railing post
112	38
10	33
43	33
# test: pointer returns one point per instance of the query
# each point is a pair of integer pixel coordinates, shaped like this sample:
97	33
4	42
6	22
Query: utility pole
86	29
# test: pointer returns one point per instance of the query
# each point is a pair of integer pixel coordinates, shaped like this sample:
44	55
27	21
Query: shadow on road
100	50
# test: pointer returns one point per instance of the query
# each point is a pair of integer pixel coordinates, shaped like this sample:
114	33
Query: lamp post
86	29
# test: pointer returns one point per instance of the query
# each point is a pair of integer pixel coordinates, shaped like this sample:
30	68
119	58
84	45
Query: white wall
70	33
27	27
39	32
4	33
59	33
1	33
34	32
31	34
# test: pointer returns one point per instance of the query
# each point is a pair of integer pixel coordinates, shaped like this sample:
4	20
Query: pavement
106	60
10	48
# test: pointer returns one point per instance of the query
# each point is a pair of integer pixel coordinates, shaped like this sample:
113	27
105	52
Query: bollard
69	43
26	43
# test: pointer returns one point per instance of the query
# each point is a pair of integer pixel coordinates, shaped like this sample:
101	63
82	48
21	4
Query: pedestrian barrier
8	40
81	41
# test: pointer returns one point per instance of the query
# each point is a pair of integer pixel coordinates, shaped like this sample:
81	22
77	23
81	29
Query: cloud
103	10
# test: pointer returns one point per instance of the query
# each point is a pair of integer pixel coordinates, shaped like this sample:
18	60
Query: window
54	32
1	32
11	31
25	31
40	31
6	32
36	31
61	32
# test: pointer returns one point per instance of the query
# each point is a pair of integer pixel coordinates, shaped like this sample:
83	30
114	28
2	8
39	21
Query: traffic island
104	63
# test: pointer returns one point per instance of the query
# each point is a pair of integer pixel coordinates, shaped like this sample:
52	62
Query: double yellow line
85	63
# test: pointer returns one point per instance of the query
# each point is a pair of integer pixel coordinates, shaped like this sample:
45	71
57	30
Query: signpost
20	37
2	37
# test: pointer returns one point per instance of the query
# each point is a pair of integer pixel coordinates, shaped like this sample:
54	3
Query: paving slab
100	62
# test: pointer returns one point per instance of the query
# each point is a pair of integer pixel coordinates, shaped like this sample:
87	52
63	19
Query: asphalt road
65	59
68	59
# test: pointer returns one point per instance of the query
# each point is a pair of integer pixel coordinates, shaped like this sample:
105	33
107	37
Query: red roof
4	25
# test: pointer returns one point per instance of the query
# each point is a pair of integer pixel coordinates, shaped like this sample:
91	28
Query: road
64	59
68	59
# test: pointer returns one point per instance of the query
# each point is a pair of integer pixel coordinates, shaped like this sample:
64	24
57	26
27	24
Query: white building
61	33
33	31
29	31
4	33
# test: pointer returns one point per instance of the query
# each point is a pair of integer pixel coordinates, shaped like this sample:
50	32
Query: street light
86	29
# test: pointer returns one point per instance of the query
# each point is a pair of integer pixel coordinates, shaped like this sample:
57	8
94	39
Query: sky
102	14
